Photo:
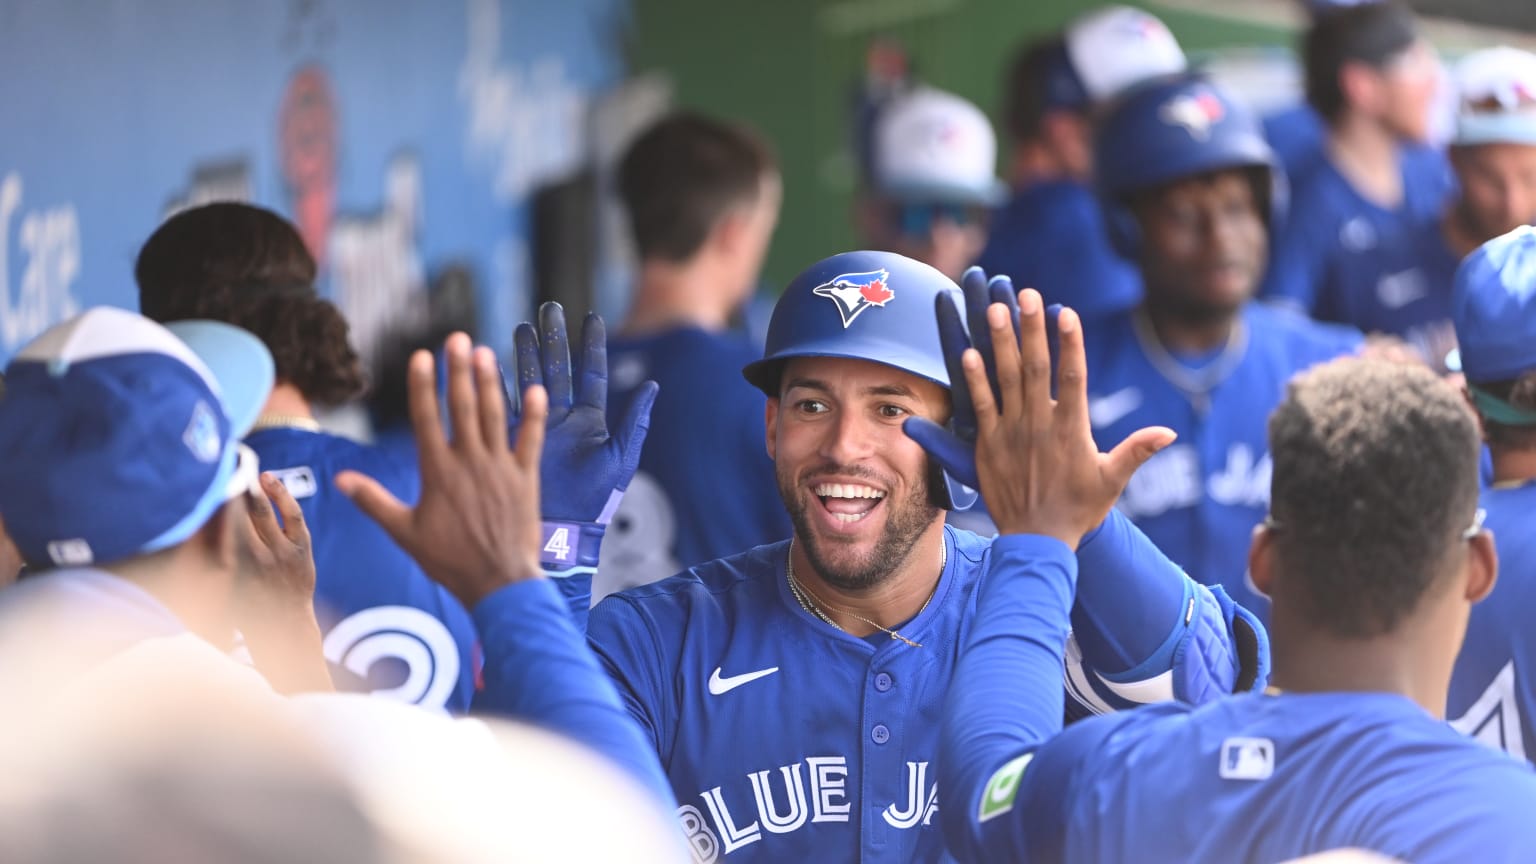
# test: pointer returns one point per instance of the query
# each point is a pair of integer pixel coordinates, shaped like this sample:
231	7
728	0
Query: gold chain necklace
813	604
286	421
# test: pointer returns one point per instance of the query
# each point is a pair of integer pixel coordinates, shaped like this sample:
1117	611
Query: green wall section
788	68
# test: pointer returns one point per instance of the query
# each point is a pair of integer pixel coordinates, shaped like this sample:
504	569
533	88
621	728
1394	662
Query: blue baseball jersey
786	739
1493	688
1199	498
1344	259
1052	237
1296	134
384	620
1257	779
706	487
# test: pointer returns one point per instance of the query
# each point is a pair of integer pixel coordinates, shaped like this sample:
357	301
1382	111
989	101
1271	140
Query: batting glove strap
570	547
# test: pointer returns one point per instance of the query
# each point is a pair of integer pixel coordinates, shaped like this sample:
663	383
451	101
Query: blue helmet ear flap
947	493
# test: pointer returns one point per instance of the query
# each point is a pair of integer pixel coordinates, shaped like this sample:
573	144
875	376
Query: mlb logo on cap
122	437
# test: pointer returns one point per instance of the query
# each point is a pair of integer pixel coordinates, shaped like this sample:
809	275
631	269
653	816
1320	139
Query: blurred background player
1373	556
139	582
394	630
1193	194
1352	250
1493	695
790	690
702	197
1050	233
130	496
1493	151
931	181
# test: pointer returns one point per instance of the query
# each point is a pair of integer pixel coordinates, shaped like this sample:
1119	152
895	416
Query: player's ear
1260	558
729	232
771	424
1482	569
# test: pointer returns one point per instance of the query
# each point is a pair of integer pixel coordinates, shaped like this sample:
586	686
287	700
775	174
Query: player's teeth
849	517
844	490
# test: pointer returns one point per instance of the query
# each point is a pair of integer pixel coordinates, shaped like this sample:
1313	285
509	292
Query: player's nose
848	439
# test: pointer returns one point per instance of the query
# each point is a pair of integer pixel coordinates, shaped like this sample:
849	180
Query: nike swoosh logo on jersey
1106	410
719	685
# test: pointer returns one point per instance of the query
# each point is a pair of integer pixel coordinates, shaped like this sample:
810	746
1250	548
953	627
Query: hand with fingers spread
475	528
277	615
1039	469
954	446
586	465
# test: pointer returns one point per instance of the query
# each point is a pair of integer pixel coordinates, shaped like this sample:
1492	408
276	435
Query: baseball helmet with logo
875	306
1173	129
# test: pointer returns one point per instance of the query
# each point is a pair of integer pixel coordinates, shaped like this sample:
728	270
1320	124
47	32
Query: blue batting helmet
875	306
1172	129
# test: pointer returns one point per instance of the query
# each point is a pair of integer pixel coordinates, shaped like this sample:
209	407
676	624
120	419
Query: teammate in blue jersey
793	691
1493	691
1373	556
1192	194
1353	249
178	565
1493	152
392	629
1050	234
702	198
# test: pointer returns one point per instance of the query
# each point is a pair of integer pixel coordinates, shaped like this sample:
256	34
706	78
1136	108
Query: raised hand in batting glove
954	446
1040	470
586	465
475	528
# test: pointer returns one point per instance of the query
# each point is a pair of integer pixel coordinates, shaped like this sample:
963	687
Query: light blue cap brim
1511	127
239	362
991	195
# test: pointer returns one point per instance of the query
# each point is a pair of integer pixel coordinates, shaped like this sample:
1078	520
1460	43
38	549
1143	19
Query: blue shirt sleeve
538	669
628	651
1143	631
1005	698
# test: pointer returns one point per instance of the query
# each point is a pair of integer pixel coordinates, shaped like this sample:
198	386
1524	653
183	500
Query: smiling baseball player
793	691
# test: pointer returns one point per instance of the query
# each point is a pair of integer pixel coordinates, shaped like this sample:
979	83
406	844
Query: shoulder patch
1003	789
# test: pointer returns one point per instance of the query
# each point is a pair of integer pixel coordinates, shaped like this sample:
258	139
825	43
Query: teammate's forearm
1130	597
1006	696
538	669
287	651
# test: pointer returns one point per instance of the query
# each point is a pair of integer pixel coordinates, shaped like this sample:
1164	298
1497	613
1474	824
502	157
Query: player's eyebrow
807	384
891	390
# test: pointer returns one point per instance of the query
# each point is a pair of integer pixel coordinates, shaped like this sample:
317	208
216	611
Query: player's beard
905	522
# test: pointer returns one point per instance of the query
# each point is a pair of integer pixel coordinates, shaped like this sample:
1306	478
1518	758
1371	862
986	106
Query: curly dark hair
1375	478
247	266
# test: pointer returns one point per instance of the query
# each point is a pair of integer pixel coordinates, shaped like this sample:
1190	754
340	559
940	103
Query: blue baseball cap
122	437
1493	306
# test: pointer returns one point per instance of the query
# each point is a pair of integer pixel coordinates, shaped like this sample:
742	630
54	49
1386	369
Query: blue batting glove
953	445
585	467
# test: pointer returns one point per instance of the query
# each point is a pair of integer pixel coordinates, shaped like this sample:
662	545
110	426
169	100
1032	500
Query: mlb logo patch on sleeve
1247	759
1003	789
300	482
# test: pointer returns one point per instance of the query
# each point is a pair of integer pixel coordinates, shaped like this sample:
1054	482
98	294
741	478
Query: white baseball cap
1496	89
1117	47
933	145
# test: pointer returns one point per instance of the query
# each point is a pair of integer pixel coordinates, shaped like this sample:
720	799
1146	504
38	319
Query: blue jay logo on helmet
855	292
1196	112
